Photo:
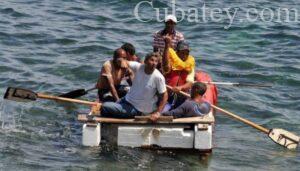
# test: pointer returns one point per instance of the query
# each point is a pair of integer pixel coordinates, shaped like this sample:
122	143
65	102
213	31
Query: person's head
170	23
119	56
129	49
151	60
198	89
183	50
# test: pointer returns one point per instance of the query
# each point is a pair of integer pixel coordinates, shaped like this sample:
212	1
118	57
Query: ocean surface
55	46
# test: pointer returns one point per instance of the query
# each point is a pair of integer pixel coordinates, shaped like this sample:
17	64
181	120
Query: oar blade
74	94
20	94
284	138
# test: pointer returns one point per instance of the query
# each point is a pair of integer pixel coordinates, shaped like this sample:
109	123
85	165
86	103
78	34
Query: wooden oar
77	93
24	95
238	84
279	136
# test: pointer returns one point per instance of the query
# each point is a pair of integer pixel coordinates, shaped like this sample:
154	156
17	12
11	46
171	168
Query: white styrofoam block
172	138
203	138
91	135
133	136
168	137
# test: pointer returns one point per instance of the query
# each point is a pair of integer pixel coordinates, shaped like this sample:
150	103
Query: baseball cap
171	17
182	45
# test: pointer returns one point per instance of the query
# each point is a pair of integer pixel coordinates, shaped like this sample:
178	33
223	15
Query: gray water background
56	46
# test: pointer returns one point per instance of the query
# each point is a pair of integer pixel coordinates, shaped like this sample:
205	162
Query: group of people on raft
169	64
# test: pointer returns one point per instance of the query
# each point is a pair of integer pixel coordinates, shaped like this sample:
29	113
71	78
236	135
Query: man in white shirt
147	95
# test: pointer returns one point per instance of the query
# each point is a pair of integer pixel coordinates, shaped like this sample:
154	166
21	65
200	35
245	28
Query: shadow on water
139	159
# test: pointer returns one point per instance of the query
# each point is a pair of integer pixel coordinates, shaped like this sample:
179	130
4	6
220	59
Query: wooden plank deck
145	120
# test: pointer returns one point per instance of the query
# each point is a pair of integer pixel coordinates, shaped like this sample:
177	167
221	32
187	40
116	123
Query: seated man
130	52
179	70
148	94
194	106
112	73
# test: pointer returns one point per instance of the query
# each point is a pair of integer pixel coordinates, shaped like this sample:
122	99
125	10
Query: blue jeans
121	109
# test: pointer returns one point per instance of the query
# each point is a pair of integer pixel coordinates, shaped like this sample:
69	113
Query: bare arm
163	98
189	82
166	66
130	75
106	73
112	88
185	87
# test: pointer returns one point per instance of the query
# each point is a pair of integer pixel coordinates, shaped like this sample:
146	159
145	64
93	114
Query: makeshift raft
194	133
168	133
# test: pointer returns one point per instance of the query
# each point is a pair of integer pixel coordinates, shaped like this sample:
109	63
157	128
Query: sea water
55	46
7	115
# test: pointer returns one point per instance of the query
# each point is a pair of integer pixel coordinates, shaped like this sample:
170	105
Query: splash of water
9	119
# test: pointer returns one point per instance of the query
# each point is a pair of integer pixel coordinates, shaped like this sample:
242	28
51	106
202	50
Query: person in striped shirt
169	30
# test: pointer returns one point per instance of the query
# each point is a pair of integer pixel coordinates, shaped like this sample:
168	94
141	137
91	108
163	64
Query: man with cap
176	36
178	67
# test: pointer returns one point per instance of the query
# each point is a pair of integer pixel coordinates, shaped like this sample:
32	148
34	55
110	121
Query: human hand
177	89
117	100
168	40
124	64
154	116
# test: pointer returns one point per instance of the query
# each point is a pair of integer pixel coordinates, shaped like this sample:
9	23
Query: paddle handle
219	83
88	90
254	125
45	96
237	84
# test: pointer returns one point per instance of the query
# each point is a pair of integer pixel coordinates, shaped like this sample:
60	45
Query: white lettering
262	15
254	11
231	17
136	10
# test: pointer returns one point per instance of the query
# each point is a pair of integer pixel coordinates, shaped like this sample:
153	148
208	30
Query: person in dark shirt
194	106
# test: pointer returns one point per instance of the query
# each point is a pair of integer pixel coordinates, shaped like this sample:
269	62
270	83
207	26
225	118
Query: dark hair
182	45
152	54
117	53
198	88
128	47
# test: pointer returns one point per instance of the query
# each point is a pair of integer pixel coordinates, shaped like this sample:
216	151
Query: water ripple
58	46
